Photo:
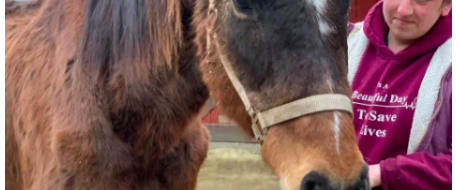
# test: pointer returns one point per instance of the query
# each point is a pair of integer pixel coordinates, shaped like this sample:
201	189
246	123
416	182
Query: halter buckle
256	128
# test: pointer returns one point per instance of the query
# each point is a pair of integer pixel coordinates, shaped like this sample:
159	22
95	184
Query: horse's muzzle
317	181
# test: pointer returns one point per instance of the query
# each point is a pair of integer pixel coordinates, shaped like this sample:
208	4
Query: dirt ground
235	169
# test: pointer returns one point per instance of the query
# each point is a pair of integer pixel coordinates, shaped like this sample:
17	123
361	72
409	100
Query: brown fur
106	94
300	146
76	121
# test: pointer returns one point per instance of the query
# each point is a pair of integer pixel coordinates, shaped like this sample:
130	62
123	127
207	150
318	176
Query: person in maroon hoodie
400	71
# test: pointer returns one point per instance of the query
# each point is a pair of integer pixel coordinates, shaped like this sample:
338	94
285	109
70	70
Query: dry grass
235	169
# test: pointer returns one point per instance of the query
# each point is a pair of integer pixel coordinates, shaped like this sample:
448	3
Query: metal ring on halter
259	135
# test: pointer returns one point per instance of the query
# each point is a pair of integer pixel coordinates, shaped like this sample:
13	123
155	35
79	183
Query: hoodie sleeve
419	171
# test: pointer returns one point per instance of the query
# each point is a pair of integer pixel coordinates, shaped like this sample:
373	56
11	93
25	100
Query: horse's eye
242	5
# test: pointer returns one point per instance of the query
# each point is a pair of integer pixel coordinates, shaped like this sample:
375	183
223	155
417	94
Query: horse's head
279	53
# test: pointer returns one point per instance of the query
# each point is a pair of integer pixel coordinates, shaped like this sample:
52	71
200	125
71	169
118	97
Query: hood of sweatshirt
376	30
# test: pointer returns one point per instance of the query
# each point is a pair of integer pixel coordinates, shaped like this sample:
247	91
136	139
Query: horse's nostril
317	181
363	183
314	181
309	185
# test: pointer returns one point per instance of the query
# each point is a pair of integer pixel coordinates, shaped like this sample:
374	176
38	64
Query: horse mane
136	33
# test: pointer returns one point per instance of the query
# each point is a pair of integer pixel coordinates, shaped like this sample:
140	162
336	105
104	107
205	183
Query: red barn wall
359	9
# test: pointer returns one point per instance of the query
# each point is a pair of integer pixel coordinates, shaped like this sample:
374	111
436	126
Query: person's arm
419	170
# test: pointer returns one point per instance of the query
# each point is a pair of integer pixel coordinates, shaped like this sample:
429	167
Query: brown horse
106	94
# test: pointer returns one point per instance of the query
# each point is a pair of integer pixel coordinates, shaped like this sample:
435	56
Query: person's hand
374	175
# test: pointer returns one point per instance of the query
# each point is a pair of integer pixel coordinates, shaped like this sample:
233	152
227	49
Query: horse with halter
106	94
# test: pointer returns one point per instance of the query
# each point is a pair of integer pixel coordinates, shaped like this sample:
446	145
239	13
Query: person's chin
402	34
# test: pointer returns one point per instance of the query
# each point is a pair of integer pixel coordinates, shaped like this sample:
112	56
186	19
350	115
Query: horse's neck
157	115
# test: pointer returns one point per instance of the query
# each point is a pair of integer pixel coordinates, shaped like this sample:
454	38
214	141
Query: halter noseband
301	107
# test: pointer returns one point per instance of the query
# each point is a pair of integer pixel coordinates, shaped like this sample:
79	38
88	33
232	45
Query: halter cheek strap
292	110
274	116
